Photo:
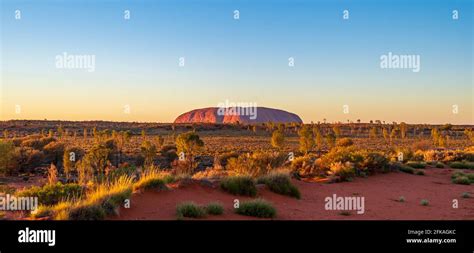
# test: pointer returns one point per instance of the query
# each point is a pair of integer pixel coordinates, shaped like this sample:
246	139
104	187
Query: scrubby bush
345	171
86	212
53	152
190	210
214	208
278	139
344	142
53	193
222	159
256	164
420	172
257	208
374	162
424	202
306	139
465	195
239	185
28	159
461	165
150	179
461	180
36	142
416	165
211	173
7	158
402	168
341	155
279	182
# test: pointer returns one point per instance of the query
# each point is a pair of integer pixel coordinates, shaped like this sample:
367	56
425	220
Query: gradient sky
336	61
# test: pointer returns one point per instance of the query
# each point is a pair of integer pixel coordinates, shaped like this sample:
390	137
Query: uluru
245	115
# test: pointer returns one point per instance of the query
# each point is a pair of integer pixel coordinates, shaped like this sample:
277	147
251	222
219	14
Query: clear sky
337	61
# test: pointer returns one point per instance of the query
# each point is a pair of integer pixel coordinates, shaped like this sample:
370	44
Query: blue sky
245	60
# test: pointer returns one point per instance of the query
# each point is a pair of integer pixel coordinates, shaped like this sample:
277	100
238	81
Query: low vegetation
257	208
239	185
279	182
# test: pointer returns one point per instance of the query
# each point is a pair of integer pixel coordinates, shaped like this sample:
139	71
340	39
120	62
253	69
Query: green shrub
86	212
7	157
256	164
215	208
416	165
424	202
403	168
465	195
257	208
52	194
462	165
462	180
419	172
280	183
401	199
190	210
239	185
374	162
439	165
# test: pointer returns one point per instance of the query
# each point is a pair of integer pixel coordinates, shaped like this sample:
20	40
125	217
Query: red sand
381	193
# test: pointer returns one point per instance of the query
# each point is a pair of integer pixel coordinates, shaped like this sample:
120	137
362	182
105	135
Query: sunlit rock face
244	115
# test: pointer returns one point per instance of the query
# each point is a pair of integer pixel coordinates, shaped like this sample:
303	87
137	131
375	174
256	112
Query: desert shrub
28	159
419	172
345	171
455	156
439	165
148	151
402	168
461	165
344	142
421	145
256	208
222	159
211	173
278	139
433	155
418	156
304	165
465	195
306	140
416	165
256	164
53	193
86	212
341	155
279	182
70	157
190	210
7	157
214	208
54	152
374	162
150	179
461	180
239	185
424	202
401	199
36	142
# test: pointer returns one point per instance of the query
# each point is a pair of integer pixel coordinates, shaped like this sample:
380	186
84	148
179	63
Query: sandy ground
381	193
